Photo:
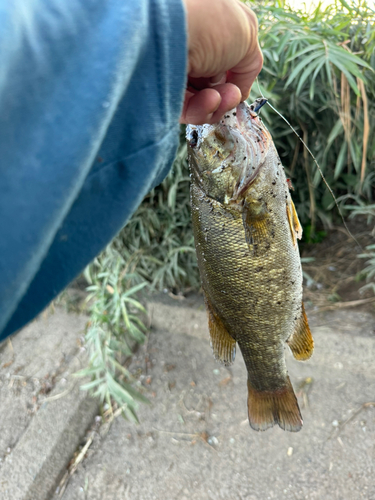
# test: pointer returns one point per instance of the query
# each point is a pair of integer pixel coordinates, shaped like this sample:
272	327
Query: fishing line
316	163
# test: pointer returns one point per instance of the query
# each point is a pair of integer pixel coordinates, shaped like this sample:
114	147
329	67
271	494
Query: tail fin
267	408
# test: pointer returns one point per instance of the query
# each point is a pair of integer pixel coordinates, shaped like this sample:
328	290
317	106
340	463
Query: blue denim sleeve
90	97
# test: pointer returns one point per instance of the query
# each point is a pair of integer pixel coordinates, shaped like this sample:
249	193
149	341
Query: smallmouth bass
246	230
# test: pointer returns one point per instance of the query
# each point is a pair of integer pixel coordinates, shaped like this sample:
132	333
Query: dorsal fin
294	223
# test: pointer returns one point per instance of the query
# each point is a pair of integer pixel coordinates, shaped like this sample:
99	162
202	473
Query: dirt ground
194	441
336	271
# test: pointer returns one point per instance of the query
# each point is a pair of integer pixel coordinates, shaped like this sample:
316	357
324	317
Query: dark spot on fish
292	282
286	196
274	196
252	107
295	319
278	303
244	157
258	269
277	173
274	182
234	114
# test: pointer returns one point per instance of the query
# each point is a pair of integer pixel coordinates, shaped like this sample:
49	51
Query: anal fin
267	408
301	341
223	345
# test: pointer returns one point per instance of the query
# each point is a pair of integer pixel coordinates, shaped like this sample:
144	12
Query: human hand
224	58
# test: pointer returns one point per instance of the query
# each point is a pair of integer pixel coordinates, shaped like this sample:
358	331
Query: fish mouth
243	117
247	114
239	141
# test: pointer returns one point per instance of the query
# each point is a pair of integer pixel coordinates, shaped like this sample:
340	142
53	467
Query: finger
218	79
200	107
198	83
230	98
244	73
244	76
204	83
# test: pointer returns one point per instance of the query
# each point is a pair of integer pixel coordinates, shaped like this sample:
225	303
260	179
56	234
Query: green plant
114	329
319	73
369	271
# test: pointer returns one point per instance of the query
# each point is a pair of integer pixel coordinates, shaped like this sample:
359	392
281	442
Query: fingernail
218	79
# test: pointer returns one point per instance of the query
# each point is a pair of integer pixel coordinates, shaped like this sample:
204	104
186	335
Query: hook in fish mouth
259	103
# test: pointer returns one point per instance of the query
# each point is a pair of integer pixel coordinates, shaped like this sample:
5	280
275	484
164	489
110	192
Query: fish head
225	158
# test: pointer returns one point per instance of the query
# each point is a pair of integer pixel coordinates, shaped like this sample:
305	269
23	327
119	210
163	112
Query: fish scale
245	230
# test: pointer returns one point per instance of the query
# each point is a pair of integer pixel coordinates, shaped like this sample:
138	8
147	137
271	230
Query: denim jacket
90	97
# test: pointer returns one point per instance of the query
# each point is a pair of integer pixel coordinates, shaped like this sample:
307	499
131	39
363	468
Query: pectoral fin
258	227
301	342
223	345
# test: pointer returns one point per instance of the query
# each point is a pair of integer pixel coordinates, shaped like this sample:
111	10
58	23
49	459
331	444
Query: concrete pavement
194	441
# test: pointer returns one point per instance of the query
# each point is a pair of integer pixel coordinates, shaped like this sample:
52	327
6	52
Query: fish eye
193	141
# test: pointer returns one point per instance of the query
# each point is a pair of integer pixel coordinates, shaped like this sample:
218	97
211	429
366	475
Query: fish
246	229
